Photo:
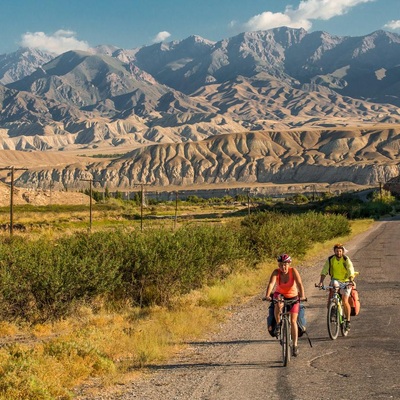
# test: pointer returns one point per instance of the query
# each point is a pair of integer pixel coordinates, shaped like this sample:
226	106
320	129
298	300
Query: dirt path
243	362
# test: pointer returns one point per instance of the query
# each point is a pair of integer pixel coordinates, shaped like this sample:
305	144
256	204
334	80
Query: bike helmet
284	258
338	246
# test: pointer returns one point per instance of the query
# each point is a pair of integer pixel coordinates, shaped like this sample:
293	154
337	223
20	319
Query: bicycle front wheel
285	338
333	320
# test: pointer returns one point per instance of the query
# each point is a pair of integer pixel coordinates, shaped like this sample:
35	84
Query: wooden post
12	169
90	206
12	202
176	209
141	206
90	201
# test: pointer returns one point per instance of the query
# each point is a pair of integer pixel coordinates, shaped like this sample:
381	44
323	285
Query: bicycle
336	320
285	327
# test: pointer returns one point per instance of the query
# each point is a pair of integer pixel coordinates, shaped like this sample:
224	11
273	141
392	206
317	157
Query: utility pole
176	209
91	200
12	169
141	206
51	186
248	202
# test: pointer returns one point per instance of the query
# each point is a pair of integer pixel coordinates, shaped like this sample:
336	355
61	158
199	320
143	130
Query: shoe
295	351
277	331
347	325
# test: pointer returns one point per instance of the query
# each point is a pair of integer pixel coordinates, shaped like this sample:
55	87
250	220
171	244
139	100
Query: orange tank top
288	289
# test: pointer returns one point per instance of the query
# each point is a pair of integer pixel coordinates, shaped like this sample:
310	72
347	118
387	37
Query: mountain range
282	105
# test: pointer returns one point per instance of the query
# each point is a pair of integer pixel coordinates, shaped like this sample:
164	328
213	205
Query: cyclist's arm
324	272
299	283
350	270
271	284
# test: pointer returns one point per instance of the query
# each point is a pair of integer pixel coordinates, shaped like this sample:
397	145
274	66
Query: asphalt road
242	362
365	364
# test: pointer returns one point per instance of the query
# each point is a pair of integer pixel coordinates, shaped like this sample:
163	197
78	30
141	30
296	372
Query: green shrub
272	233
42	279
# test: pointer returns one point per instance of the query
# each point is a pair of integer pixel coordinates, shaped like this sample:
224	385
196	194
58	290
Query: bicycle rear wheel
285	340
333	320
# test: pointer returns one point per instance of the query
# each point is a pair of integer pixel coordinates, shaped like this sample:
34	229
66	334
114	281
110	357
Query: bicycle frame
335	317
285	328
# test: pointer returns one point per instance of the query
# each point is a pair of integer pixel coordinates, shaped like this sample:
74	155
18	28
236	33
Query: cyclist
287	283
341	270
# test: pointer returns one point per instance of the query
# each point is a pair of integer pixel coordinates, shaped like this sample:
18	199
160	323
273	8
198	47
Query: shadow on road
203	366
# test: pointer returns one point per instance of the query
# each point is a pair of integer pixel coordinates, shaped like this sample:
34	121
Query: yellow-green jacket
341	270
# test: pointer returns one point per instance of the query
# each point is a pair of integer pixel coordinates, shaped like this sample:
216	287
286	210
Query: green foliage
272	233
195	199
300	198
42	280
383	196
162	264
46	279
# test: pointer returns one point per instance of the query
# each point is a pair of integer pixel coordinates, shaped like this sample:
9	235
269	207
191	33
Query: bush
271	233
42	279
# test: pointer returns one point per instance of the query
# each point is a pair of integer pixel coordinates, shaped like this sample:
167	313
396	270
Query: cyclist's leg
278	308
333	283
345	292
294	328
346	307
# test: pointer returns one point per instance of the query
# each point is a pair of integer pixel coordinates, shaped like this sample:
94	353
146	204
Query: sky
62	25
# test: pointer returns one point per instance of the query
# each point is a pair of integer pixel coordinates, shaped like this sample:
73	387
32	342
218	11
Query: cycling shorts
345	290
295	308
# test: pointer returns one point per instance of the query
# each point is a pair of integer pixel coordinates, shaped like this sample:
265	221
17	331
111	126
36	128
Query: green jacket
341	270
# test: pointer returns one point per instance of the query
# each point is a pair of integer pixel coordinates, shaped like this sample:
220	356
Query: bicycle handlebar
288	301
323	287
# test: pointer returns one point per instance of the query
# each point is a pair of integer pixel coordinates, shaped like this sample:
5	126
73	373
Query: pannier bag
271	322
301	320
354	302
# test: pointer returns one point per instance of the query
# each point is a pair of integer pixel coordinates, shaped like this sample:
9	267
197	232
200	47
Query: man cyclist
289	285
341	270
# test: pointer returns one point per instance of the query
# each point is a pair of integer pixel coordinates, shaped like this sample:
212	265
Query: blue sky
61	25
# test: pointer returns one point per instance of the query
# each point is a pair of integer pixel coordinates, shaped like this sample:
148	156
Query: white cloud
394	24
161	36
302	16
57	43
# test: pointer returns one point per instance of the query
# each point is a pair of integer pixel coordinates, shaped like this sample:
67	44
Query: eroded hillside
361	156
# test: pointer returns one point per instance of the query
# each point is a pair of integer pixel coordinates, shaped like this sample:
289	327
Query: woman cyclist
289	285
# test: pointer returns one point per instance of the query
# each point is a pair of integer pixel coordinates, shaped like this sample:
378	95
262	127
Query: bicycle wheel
285	340
333	320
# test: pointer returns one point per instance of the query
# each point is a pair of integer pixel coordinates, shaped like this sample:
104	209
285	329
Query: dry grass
110	346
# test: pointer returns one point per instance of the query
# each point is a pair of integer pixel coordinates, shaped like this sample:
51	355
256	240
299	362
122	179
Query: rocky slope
361	156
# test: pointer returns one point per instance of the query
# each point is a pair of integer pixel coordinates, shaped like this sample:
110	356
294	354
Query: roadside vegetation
77	304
